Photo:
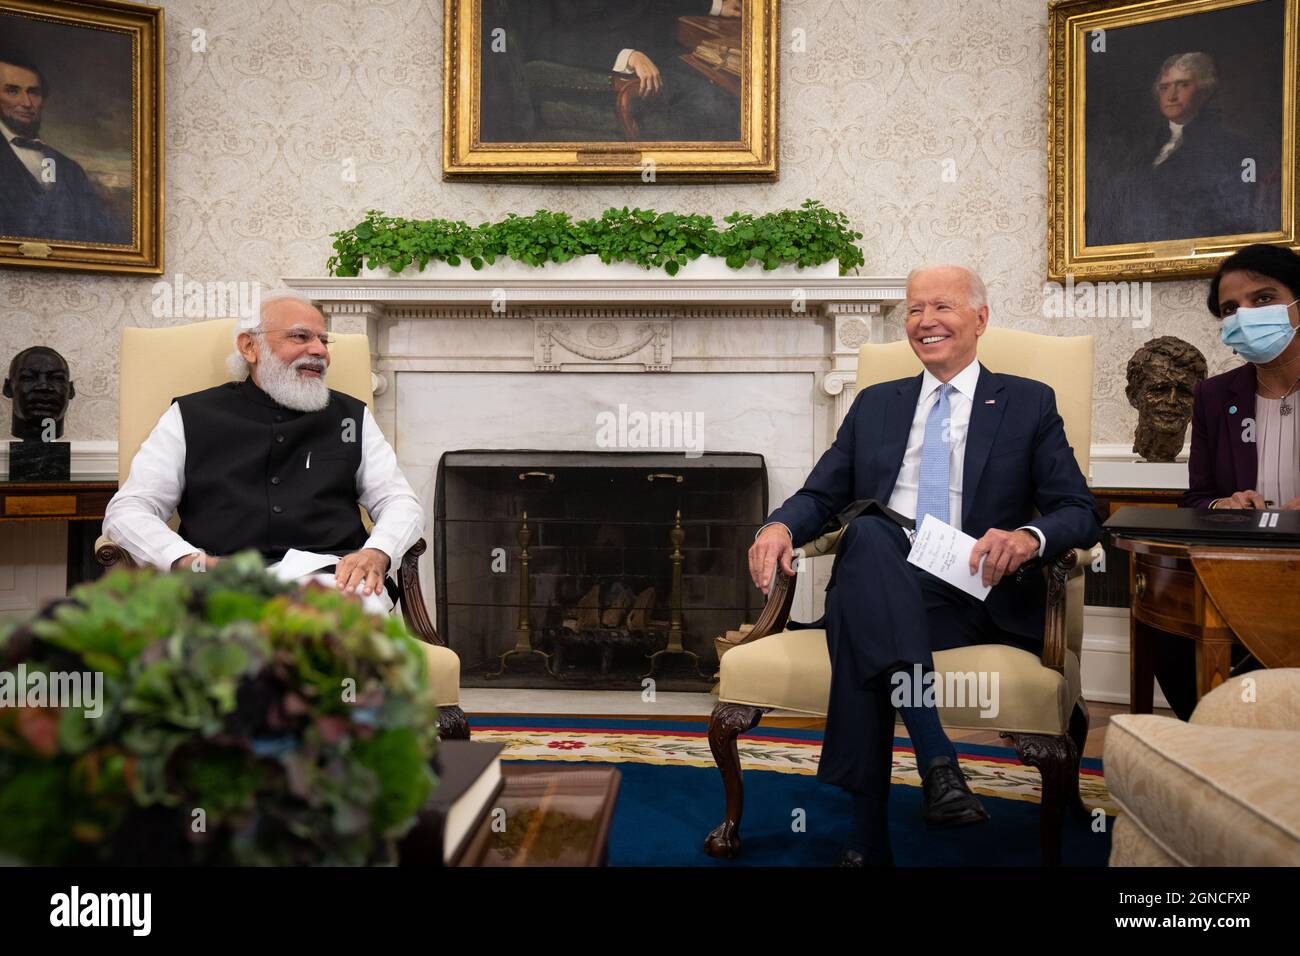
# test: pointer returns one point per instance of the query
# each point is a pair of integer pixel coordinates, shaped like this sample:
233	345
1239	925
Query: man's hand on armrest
1006	551
646	71
773	544
364	569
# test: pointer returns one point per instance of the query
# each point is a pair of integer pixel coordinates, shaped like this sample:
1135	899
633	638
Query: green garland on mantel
807	236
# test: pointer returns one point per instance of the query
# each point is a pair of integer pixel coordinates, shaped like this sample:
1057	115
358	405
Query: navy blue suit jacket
1017	460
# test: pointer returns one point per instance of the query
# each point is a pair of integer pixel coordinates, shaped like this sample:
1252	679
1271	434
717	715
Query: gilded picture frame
1171	135
81	150
601	90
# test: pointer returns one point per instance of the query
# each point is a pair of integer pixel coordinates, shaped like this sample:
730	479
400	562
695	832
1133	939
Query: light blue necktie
932	488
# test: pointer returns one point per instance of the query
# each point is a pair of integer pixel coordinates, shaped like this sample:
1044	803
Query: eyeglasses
298	336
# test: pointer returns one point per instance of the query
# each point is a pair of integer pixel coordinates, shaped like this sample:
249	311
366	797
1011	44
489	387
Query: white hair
1200	65
236	365
977	296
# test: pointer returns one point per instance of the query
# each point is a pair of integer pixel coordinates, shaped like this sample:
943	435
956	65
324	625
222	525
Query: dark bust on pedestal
1162	375
41	387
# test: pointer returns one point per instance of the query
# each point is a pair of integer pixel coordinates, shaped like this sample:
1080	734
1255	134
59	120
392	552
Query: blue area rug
671	796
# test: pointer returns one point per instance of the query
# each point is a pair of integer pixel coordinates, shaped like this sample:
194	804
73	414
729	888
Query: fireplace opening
594	570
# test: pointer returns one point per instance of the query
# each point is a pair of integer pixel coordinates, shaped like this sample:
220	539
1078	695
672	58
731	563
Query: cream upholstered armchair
159	364
1217	790
1041	707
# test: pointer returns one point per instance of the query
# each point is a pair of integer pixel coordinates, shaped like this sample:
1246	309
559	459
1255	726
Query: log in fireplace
589	570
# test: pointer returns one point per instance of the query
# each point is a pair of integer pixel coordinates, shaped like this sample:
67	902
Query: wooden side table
1215	596
554	816
80	503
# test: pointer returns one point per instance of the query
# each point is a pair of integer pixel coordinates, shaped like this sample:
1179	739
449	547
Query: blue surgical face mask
1259	335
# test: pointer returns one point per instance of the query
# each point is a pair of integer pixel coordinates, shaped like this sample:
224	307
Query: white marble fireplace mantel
656	324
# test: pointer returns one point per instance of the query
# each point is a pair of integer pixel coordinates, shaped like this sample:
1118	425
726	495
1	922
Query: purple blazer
1221	463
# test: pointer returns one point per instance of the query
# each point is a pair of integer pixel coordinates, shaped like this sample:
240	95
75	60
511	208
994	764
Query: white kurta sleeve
136	518
385	493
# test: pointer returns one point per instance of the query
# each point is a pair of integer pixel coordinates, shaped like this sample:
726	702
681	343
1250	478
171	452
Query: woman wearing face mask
1245	422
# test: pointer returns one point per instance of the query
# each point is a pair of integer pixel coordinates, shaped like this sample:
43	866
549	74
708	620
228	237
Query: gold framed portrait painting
81	161
1172	134
590	90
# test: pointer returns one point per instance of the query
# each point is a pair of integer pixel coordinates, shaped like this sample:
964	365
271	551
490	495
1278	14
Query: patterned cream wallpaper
260	126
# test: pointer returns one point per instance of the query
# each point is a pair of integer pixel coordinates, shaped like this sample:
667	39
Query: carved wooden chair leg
1054	757
452	724
726	723
1079	720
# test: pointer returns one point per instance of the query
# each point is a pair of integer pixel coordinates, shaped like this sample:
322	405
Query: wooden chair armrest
110	555
776	612
1069	564
414	612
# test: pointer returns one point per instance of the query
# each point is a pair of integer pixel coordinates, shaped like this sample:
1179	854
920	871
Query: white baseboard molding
1105	664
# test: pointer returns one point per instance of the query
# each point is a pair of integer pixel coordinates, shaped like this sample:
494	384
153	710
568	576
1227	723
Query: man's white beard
281	381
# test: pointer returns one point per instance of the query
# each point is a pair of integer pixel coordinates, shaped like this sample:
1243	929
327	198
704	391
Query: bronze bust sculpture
1161	377
40	384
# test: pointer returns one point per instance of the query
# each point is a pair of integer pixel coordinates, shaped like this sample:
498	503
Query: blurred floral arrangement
244	721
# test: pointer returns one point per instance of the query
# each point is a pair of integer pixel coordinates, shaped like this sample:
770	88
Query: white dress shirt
30	158
960	401
136	518
620	64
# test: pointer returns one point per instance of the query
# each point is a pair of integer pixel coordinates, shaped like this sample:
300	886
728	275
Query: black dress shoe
854	858
948	801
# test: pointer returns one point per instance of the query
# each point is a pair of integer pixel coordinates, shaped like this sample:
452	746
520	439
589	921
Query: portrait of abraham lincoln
65	114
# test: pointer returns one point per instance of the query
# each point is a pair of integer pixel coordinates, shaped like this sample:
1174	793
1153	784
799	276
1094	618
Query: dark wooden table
1213	596
80	503
555	815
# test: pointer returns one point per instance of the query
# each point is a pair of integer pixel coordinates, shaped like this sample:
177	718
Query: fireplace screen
594	569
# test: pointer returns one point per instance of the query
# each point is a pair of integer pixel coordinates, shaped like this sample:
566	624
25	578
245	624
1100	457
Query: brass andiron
678	538
523	631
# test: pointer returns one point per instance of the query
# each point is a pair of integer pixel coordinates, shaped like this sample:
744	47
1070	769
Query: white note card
296	564
944	551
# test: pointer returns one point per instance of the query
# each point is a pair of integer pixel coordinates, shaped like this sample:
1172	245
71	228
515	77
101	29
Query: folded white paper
298	566
944	551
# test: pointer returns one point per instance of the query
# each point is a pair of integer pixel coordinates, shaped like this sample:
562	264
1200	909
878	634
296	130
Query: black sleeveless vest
259	475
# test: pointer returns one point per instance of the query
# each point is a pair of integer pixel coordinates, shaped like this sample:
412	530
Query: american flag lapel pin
990	401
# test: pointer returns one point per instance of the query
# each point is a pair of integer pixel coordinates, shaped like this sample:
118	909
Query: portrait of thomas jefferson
61	180
1183	134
